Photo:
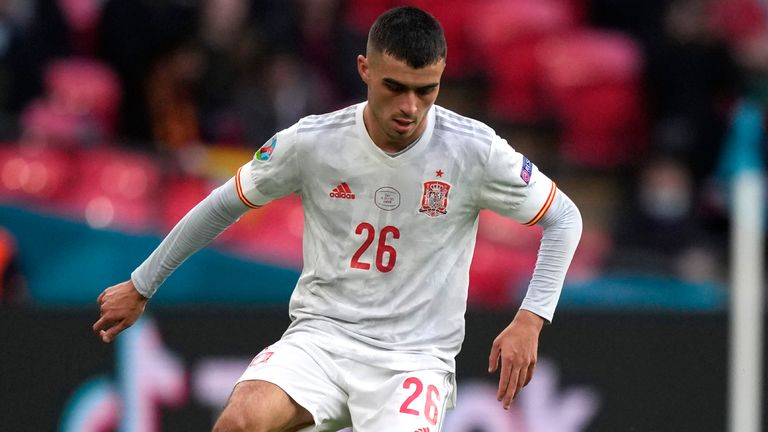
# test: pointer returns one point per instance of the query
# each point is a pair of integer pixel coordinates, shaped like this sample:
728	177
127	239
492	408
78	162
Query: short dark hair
409	34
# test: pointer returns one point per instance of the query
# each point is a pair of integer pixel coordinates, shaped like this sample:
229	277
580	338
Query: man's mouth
403	125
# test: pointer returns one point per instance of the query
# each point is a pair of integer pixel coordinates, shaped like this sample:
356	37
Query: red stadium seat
80	106
359	15
739	20
179	195
116	188
452	14
272	233
506	33
82	17
34	175
593	81
590	258
505	257
85	87
505	254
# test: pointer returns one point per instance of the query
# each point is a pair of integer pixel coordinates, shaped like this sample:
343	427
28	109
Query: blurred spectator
82	19
640	19
752	56
31	34
744	23
329	48
133	33
290	90
79	107
502	28
659	230
254	73
233	53
171	92
692	81
593	82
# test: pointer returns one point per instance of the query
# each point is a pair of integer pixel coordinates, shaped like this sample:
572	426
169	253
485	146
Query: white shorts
340	392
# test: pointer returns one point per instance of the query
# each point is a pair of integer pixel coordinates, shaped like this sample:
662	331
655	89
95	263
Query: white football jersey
388	241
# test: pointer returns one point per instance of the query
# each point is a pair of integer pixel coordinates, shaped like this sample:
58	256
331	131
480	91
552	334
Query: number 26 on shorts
412	403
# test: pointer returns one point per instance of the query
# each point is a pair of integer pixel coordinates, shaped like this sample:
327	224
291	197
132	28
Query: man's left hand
517	349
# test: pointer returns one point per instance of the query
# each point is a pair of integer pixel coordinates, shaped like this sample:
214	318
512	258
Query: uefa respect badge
526	171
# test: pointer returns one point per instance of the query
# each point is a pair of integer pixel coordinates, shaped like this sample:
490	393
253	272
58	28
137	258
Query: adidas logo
424	429
342	191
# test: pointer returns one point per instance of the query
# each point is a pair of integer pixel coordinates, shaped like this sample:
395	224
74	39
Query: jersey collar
409	153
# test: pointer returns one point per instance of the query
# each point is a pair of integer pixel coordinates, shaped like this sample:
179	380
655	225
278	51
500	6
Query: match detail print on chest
433	191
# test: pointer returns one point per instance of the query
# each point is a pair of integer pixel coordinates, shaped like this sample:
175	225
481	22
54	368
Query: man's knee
230	423
258	406
233	420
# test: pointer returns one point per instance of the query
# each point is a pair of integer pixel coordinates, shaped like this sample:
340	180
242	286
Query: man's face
399	98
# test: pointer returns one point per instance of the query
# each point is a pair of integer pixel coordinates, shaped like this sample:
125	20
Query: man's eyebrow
399	84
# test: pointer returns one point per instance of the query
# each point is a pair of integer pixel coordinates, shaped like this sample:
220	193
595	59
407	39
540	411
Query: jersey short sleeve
272	173
514	186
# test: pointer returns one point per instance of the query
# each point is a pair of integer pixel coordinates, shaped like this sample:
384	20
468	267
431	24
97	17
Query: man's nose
409	103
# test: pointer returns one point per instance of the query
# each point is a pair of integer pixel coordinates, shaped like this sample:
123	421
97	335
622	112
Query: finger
102	324
514	377
504	378
529	376
521	379
100	298
109	335
493	359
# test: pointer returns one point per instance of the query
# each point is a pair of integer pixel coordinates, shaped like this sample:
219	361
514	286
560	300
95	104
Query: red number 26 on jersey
383	250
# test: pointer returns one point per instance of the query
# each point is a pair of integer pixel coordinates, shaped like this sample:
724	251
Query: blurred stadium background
117	116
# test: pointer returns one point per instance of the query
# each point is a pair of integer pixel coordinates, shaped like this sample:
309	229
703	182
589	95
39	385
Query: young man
391	190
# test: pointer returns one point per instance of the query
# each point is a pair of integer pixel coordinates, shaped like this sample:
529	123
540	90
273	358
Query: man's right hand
120	306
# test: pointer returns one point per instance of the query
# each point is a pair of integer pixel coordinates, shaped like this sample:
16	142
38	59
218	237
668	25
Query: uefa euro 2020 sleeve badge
434	199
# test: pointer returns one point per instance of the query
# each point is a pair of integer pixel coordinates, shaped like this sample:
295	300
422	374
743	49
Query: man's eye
425	91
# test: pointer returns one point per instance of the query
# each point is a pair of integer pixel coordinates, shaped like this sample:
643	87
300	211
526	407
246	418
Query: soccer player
391	190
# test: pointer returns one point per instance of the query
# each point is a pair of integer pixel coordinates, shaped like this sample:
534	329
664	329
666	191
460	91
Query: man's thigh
266	406
401	401
307	376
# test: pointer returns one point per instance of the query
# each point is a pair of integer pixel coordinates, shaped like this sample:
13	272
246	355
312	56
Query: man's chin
401	138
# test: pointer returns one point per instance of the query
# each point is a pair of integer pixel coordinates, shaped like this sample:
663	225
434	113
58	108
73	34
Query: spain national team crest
434	201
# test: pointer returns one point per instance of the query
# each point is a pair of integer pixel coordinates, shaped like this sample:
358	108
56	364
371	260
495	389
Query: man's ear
362	68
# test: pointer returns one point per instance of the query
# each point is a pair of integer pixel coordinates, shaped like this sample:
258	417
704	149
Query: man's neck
405	149
390	147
